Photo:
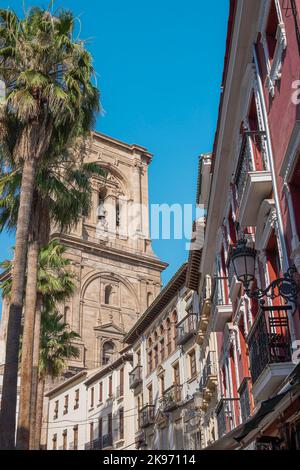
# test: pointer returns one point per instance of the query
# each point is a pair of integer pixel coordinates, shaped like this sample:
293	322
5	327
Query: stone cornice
108	251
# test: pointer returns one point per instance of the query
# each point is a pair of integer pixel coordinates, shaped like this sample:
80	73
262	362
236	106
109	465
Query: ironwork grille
269	339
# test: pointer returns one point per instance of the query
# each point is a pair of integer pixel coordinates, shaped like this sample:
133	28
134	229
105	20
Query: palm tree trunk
10	378
39	412
27	347
35	373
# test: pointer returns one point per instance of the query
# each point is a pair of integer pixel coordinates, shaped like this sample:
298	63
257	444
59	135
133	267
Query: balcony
221	308
107	441
205	310
146	416
269	350
209	379
245	399
252	186
171	398
135	377
226	415
186	329
94	445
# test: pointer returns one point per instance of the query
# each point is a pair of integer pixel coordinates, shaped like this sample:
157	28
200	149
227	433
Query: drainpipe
285	260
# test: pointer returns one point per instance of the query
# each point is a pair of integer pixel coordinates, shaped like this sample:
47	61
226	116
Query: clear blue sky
159	66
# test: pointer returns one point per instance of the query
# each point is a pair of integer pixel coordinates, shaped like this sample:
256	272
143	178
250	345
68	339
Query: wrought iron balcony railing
135	377
94	445
209	373
219	292
186	328
107	441
269	339
146	416
226	415
253	143
245	399
171	398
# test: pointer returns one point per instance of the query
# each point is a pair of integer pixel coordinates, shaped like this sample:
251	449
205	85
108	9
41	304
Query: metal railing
186	328
253	145
219	292
269	339
146	416
135	377
107	441
171	398
226	415
209	372
245	399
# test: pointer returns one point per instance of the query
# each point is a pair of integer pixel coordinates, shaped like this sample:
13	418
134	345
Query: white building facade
165	375
93	410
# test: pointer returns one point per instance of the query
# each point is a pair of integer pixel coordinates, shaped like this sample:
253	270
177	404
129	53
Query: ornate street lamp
243	259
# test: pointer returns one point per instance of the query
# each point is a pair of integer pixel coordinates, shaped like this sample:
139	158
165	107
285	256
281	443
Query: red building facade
254	194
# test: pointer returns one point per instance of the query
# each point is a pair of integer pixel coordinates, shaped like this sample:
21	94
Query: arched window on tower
108	294
108	351
101	214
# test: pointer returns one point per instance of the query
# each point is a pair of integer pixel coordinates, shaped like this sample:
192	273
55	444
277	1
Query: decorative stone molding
274	72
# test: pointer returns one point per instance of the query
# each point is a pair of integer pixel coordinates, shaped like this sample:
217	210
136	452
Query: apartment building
248	272
165	375
94	410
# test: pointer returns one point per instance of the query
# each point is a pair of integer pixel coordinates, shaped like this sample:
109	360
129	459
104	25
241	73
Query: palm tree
55	283
47	75
63	194
56	346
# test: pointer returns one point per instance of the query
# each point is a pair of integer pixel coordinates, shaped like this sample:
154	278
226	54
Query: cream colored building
93	410
165	375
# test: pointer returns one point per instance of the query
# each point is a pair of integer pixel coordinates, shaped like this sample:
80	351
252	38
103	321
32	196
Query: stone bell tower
118	274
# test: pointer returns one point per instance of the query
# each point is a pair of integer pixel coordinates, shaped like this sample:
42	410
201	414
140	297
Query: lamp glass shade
243	259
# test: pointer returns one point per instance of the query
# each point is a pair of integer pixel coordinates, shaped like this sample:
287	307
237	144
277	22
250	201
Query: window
162	384
162	350
75	437
138	357
107	294
100	392
54	442
107	352
122	382
150	361
100	429
121	423
91	432
92	397
271	30
156	356
169	340
76	405
66	406
56	405
193	365
176	374
110	386
109	424
150	394
65	439
174	329
118	214
101	208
